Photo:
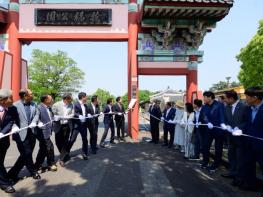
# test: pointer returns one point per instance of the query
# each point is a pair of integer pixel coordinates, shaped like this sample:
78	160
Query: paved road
123	170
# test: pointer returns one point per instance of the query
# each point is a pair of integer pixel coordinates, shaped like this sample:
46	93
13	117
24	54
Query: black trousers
82	129
251	157
4	145
120	124
209	136
107	126
96	128
155	131
199	142
62	141
93	135
46	150
235	154
25	149
169	130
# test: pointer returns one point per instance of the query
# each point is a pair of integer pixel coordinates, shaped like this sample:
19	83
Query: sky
105	63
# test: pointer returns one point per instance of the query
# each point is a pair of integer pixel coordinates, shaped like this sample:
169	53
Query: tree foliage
144	95
54	73
221	85
251	73
103	95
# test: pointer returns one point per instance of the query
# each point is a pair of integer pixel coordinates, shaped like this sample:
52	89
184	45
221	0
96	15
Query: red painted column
191	85
133	117
14	46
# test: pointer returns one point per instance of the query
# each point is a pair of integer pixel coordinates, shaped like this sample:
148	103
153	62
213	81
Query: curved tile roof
196	1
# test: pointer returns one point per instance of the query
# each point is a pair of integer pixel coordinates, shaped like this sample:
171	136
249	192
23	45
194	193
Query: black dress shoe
112	142
122	139
102	146
236	183
36	176
8	189
228	175
85	157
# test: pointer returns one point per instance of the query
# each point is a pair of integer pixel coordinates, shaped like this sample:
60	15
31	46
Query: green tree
103	95
251	73
221	85
53	73
144	95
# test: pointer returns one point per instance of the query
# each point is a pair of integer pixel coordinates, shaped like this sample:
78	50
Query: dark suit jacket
107	117
156	112
9	119
214	114
78	112
170	116
118	109
255	129
239	118
97	111
46	131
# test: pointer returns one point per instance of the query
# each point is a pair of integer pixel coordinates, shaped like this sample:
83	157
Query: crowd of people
193	127
25	122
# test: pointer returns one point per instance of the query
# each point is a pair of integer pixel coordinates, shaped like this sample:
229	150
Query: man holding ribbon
25	139
63	113
43	134
119	110
8	119
214	118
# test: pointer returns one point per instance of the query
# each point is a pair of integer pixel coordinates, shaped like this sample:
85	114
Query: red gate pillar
133	117
14	46
191	85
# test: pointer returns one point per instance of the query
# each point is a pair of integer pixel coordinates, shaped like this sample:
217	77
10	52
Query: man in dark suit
168	114
119	110
108	123
8	118
235	116
254	148
80	125
63	111
25	139
198	130
94	109
155	115
43	134
213	116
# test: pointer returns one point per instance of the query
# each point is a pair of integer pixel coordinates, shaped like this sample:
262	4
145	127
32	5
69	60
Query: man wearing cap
155	115
8	119
25	139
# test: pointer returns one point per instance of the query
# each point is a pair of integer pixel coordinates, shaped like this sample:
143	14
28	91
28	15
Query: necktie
28	112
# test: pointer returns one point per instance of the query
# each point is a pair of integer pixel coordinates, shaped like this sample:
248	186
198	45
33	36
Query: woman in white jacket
179	134
188	124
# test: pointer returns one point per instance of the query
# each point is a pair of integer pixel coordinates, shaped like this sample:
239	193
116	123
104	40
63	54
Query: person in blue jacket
213	113
254	127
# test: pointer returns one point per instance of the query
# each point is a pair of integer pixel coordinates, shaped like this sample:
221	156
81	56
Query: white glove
171	122
210	125
223	126
237	132
89	116
101	113
56	118
111	112
82	118
1	135
197	124
32	125
15	129
162	118
182	123
119	113
229	129
40	124
190	123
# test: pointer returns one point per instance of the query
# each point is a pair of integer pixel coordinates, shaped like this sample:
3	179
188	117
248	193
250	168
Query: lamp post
228	79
